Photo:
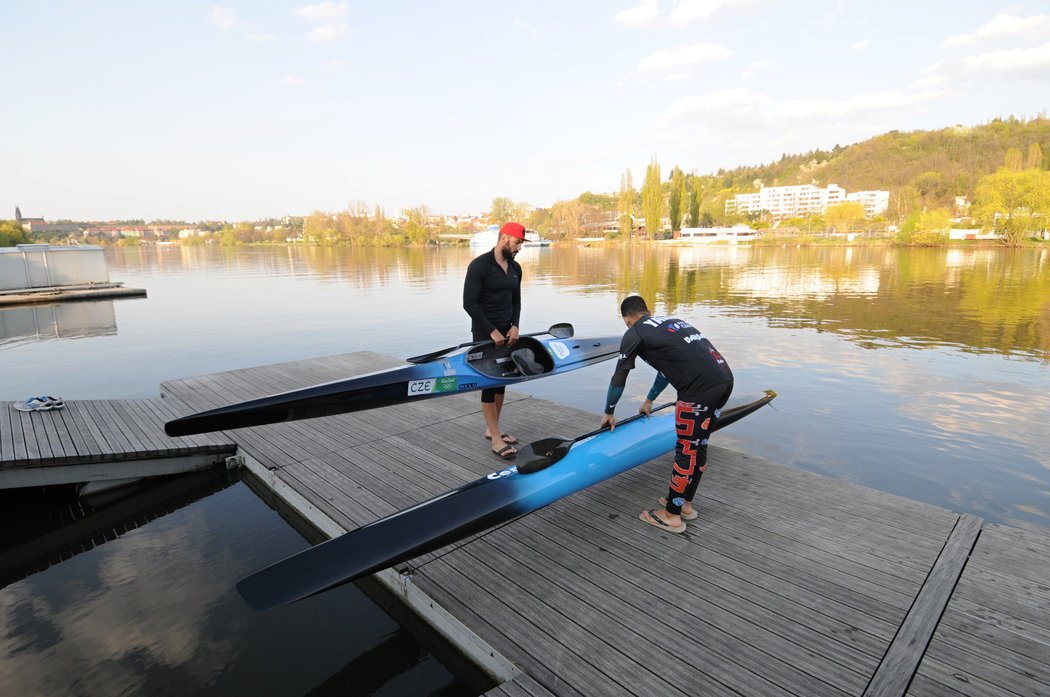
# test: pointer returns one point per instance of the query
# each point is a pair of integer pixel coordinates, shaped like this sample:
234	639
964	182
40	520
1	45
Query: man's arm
515	319
473	285
658	386
616	385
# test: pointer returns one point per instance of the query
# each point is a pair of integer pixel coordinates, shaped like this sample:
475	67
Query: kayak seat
525	360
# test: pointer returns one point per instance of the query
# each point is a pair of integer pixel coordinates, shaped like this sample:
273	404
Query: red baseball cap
513	230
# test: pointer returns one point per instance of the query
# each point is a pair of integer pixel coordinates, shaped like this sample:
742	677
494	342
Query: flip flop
650	517
507	438
502	452
685	516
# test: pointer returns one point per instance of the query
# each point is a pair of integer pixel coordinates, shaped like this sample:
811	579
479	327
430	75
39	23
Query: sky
248	110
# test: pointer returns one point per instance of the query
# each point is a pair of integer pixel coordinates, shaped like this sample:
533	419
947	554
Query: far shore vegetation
992	179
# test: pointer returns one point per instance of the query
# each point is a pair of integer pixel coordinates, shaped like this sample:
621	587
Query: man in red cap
492	298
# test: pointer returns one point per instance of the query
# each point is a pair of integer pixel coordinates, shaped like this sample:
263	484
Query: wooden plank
124	414
746	591
63	441
115	420
904	654
802	556
904	554
42	426
7	436
579	669
648	596
30	453
996	661
87	446
111	443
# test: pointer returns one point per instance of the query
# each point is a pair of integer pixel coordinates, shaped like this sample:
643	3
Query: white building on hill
783	202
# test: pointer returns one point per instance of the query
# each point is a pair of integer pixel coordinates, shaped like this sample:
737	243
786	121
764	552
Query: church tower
18	215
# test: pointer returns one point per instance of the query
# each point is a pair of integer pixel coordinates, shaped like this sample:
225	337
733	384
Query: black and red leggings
692	421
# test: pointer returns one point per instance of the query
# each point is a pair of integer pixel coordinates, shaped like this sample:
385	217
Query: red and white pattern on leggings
692	423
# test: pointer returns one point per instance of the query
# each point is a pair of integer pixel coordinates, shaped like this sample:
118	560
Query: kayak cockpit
526	358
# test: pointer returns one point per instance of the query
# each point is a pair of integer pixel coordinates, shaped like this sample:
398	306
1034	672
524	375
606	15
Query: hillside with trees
924	171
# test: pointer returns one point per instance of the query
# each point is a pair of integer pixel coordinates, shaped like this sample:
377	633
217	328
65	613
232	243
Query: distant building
40	225
782	202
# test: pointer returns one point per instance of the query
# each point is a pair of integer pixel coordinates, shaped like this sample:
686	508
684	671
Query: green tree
843	216
1015	202
626	204
1035	157
903	201
502	210
652	199
676	201
932	228
930	186
12	233
1014	159
416	228
694	201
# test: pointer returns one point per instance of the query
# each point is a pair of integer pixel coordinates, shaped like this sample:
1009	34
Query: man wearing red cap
492	298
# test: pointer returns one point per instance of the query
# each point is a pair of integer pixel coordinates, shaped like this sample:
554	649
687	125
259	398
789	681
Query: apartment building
783	202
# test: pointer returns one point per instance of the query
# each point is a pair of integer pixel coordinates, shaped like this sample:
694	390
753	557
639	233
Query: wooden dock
54	294
788	583
100	440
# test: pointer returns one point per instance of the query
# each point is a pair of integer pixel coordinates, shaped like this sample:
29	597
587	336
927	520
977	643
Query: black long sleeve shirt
492	296
677	350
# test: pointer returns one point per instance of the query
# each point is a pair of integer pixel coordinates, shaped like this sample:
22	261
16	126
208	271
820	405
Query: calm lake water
922	373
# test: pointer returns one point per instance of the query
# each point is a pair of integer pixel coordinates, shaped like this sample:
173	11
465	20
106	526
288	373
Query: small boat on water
546	470
463	368
486	239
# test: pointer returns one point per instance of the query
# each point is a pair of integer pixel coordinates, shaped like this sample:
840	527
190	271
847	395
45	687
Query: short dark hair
633	305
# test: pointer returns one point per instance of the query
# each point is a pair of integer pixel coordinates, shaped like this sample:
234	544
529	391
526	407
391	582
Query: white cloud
328	32
689	11
692	10
321	12
644	14
1018	62
261	38
754	68
861	45
732	101
1000	26
223	17
296	81
1005	64
683	56
852	106
327	18
526	26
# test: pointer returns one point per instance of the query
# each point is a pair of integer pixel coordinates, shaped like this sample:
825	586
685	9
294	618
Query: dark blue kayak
458	369
546	470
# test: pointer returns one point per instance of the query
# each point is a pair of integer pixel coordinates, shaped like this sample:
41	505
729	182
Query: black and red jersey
678	350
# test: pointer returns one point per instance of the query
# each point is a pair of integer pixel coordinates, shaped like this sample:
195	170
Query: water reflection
31	323
977	300
916	371
153	610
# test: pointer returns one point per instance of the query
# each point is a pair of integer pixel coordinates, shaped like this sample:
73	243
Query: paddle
562	330
541	454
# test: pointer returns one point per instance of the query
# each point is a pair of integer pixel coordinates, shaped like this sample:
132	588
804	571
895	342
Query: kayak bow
472	508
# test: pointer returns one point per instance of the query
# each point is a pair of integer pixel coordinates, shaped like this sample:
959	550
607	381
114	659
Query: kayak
462	368
546	471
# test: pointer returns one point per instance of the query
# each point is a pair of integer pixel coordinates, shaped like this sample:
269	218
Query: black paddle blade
562	330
